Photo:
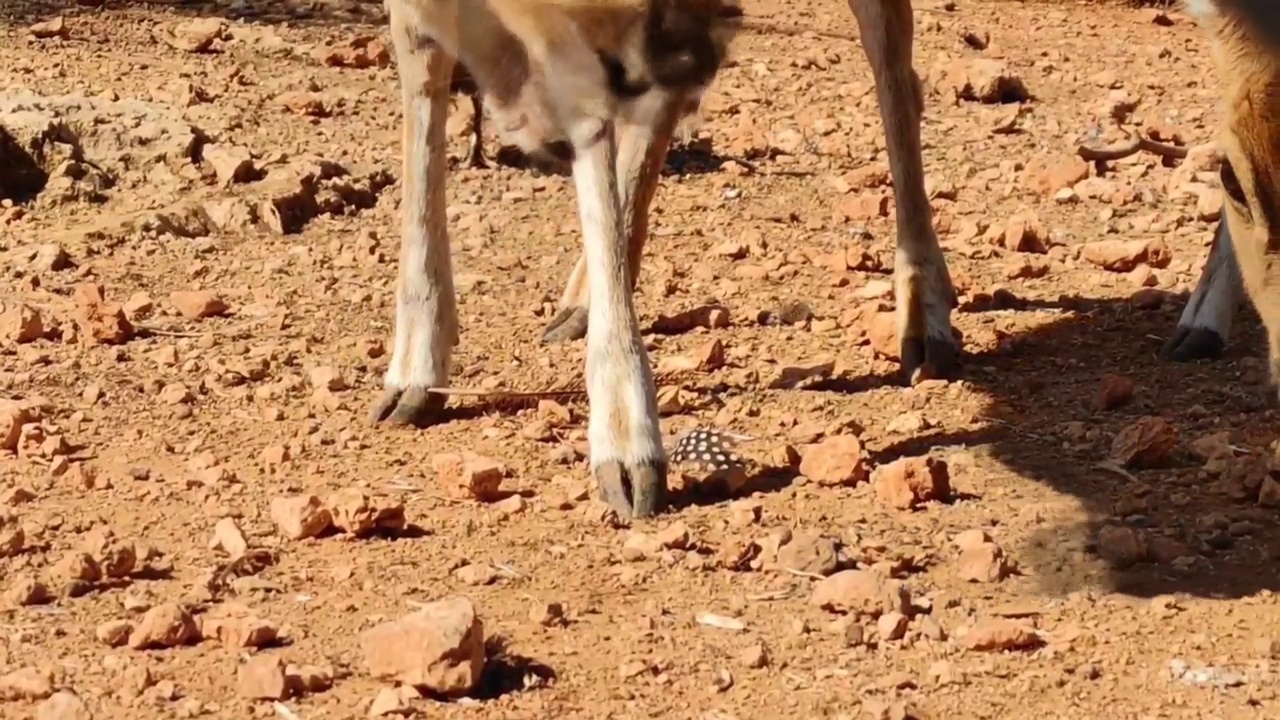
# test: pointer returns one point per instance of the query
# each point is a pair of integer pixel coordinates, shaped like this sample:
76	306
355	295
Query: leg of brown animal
922	283
627	456
426	322
1205	325
642	151
475	152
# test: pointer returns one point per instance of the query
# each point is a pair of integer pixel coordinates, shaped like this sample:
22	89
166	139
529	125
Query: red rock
1113	391
164	626
861	592
300	517
21	324
1147	442
984	563
99	321
262	677
197	304
470	475
908	482
440	647
838	460
999	634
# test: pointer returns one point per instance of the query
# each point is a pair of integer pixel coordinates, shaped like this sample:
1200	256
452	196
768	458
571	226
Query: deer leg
627	456
1205	324
426	321
922	284
642	151
475	150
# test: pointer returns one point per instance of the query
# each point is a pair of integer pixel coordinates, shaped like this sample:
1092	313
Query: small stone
837	460
1147	442
114	633
63	705
21	324
164	626
230	163
1121	546
892	625
984	563
861	592
754	656
389	701
328	378
240	632
470	475
262	677
547	614
971	539
998	634
228	538
1113	391
440	647
26	683
478	574
907	482
674	537
27	591
197	304
300	517
12	536
640	546
308	678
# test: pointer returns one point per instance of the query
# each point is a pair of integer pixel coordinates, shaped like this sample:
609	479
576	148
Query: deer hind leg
475	150
426	321
642	150
922	284
1205	325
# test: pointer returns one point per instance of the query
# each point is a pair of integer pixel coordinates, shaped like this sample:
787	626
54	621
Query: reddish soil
1134	575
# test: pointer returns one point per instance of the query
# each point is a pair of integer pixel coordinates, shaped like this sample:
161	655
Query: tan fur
607	78
1246	39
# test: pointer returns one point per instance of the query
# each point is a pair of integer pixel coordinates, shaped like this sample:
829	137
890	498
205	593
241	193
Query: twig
1134	145
153	330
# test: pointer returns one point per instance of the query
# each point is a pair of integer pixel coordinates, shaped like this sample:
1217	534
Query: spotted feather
714	449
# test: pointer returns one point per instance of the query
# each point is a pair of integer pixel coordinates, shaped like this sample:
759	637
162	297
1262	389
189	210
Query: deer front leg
922	284
627	457
1205	325
475	149
426	322
642	151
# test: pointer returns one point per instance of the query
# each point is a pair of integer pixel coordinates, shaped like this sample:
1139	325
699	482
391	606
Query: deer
601	85
923	292
1245	35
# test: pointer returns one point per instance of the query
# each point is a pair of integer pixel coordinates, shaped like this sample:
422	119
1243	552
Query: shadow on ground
1042	424
347	13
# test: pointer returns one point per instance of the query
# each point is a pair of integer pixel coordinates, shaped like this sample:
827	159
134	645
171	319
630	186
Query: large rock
440	648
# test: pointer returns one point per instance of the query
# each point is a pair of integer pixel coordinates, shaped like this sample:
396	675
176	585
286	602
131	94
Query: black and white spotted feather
712	449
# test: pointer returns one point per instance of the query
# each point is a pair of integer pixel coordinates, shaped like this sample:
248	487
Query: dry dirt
245	169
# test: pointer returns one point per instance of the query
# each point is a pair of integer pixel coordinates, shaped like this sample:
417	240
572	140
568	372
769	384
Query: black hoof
1192	343
409	406
568	324
635	492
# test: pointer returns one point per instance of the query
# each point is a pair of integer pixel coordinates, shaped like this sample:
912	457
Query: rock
55	27
983	563
21	324
547	614
194	36
228	538
998	634
113	633
754	656
1113	391
390	701
470	475
246	631
26	683
300	517
12	536
262	677
63	705
892	626
1124	255
360	52
971	539
164	626
477	574
1121	546
907	482
440	647
230	163
837	460
810	552
1147	442
13	417
356	513
24	591
329	378
674	536
77	566
308	678
861	592
97	320
197	304
639	546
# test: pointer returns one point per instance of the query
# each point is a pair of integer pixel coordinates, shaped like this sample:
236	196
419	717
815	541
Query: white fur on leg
623	426
1213	305
426	309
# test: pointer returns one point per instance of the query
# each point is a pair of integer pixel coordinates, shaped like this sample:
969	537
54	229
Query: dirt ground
252	168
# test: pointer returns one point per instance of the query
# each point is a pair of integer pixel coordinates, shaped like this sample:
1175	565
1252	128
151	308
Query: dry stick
1133	146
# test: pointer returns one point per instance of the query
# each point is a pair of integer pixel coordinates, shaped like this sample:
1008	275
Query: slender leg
426	323
627	457
475	153
1205	325
642	150
922	283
